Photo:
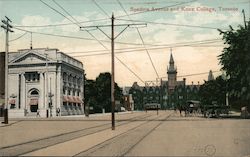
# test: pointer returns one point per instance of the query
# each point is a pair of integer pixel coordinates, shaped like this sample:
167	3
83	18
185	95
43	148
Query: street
136	134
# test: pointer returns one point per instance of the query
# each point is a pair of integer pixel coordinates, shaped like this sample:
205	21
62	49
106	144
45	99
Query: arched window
34	92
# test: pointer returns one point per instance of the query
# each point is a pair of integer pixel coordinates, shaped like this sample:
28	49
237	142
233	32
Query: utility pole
112	38
112	73
244	18
47	87
6	25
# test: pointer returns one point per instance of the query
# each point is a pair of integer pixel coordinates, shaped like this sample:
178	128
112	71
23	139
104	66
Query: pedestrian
58	111
38	113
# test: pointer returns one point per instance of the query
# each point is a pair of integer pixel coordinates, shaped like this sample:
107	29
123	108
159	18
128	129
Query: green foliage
235	60
98	93
137	97
214	90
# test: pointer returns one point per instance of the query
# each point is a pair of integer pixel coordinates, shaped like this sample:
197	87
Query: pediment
30	58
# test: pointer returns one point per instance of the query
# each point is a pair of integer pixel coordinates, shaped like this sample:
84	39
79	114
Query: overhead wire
62	24
72	37
149	56
89	39
56	10
116	56
190	75
197	74
18	37
100	8
154	48
172	24
172	44
93	37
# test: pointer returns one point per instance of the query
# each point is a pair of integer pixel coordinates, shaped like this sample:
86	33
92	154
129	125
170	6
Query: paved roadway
136	134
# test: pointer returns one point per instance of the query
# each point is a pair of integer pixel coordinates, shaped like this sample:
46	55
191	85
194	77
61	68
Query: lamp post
225	78
50	95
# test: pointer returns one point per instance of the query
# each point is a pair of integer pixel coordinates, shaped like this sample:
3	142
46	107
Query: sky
188	27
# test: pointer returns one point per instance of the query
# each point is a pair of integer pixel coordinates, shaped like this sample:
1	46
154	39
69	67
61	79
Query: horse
183	108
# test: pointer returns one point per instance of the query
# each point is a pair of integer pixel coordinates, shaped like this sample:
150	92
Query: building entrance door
33	108
34	96
33	104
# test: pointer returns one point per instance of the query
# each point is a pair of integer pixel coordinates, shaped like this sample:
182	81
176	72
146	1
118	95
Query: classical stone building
46	81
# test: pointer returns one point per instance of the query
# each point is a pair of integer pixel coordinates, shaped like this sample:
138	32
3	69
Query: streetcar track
71	135
133	146
102	144
63	133
81	136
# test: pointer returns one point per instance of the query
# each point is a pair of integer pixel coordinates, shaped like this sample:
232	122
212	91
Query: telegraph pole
112	38
244	18
112	73
6	25
47	87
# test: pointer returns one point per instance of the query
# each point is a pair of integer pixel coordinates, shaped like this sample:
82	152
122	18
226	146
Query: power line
77	23
172	24
197	74
138	77
133	49
75	37
19	37
87	32
63	24
151	61
170	45
188	75
154	48
89	39
101	8
56	11
56	35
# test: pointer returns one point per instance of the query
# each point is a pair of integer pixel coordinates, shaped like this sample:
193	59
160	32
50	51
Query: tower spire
210	76
171	57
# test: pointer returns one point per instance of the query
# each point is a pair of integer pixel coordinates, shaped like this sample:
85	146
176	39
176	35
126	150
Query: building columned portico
45	81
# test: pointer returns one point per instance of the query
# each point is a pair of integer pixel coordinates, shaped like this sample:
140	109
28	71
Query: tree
235	59
103	84
90	95
137	95
213	90
98	93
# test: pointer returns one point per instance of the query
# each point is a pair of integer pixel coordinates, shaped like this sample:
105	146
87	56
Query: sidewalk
29	129
2	124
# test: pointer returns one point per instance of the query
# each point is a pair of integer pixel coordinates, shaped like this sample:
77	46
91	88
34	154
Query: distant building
168	93
128	102
210	76
34	87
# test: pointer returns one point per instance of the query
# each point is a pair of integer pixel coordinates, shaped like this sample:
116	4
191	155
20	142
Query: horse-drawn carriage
215	110
191	108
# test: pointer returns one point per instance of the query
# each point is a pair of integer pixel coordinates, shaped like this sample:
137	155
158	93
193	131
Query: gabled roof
30	53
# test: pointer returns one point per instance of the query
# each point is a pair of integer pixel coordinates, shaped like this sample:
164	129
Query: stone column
59	87
23	94
41	96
